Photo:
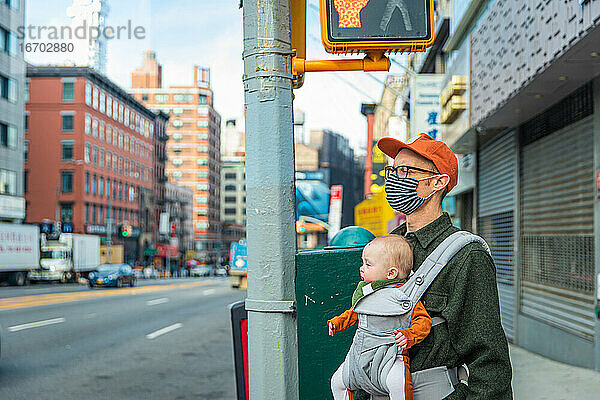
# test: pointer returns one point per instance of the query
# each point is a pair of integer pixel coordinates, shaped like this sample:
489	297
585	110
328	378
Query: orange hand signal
349	12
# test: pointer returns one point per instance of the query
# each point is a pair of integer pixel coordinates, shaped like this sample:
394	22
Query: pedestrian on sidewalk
464	294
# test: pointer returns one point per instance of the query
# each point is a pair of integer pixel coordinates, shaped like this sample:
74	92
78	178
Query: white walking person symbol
389	11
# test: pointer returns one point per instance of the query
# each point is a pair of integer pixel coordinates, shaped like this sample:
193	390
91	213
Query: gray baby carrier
373	349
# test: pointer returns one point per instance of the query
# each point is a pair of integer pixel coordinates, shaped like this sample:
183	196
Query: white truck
67	258
19	252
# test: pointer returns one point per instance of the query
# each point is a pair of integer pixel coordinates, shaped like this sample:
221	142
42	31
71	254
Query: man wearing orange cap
463	299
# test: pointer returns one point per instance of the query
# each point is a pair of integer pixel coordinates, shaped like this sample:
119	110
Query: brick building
193	149
90	153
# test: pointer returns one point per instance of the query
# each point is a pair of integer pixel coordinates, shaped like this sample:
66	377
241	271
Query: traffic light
125	231
349	26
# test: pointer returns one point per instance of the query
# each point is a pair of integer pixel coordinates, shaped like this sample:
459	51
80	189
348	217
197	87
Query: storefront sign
425	105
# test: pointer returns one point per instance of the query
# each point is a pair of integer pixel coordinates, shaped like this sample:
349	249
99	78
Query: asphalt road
166	339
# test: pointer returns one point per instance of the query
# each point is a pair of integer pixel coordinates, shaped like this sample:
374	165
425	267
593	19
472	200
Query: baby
377	361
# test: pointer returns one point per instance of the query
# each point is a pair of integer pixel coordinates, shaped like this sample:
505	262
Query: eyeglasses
404	170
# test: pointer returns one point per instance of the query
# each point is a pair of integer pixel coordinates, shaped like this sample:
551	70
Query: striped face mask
401	193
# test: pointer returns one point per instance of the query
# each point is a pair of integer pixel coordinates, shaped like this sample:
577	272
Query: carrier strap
420	281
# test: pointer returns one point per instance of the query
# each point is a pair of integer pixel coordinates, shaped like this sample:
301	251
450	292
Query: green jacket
466	295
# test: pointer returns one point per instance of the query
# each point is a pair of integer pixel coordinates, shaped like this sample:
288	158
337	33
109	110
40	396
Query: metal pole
109	234
272	340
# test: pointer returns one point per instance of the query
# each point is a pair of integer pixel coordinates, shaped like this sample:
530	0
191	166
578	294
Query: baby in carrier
377	361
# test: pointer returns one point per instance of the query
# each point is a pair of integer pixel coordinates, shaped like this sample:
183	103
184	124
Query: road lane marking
157	301
90	315
209	292
36	324
13	303
162	331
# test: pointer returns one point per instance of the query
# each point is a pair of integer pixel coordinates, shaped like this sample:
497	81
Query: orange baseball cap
434	150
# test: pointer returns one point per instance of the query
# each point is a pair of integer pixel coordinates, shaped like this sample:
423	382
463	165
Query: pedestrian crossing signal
350	26
126	230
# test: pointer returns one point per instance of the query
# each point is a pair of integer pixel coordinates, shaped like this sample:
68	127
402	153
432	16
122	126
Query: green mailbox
325	281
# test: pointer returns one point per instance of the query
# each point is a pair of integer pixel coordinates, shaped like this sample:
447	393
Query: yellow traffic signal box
366	26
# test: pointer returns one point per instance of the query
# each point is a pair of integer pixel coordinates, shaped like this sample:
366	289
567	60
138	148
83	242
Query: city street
165	339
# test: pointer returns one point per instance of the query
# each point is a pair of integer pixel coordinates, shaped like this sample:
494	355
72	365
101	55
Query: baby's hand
331	329
400	339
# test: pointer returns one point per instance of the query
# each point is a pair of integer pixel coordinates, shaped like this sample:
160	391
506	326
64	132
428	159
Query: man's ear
393	273
440	182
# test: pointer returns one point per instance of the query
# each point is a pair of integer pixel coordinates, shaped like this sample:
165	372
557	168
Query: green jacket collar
365	288
428	233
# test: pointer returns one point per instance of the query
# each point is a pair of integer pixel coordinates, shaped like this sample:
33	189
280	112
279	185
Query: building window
95	128
202	149
94	214
67	150
26	124
183	98
8	182
177	162
203	110
8	136
88	93
66	212
126	117
177	174
101	133
202	161
202	123
230	211
230	188
101	186
177	136
230	199
100	214
96	95
102	102
8	88
67	123
26	150
107	188
120	195
176	149
107	159
95	155
66	179
101	158
121	109
108	134
115	137
144	97
87	153
177	123
94	185
162	98
202	99
115	110
88	124
203	136
68	92
203	174
109	106
230	175
87	183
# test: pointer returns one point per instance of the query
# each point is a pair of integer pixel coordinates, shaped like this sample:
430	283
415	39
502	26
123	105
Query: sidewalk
539	378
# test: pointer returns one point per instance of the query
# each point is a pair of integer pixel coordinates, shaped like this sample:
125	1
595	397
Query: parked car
201	270
221	271
116	275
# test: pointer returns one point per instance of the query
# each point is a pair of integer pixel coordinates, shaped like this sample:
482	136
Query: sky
208	33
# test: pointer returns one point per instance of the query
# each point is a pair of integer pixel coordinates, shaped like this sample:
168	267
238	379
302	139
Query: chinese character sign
425	105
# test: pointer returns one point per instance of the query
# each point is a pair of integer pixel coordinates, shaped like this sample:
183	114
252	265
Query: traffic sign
349	26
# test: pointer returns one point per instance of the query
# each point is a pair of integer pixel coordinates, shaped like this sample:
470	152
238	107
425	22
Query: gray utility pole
109	235
272	340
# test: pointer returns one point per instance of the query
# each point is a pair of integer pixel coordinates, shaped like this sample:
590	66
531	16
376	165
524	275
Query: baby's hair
398	251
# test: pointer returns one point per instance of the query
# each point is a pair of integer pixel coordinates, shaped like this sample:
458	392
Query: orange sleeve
420	325
344	321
